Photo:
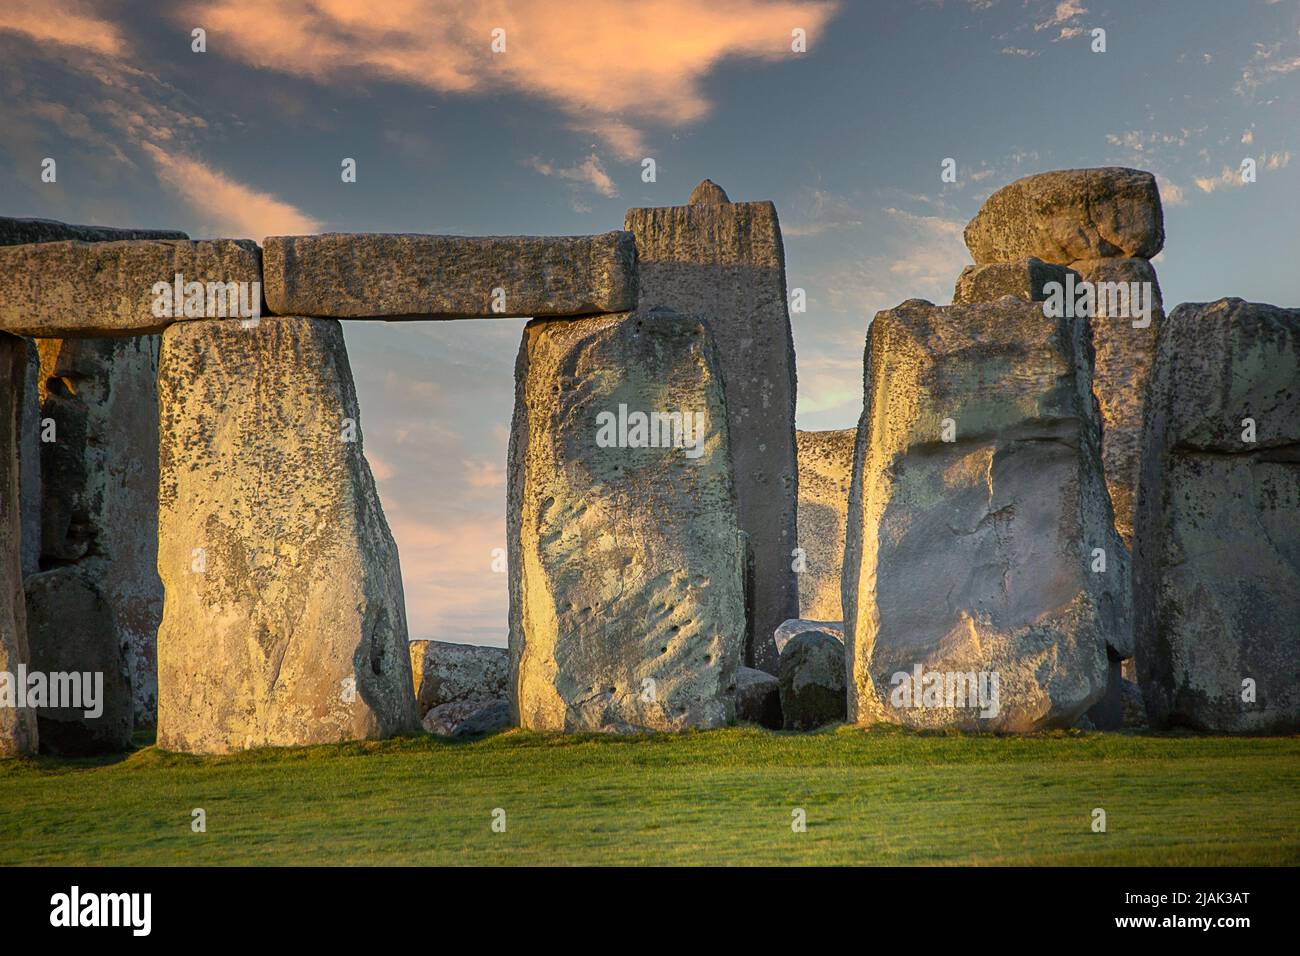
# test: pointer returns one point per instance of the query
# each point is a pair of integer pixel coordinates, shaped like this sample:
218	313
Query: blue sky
547	137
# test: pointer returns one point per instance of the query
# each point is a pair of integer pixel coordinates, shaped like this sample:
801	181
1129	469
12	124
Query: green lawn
876	797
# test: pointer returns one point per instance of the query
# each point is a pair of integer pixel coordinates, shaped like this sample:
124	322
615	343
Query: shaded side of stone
825	473
726	262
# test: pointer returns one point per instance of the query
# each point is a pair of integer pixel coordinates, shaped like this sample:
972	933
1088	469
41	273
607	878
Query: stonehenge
449	277
272	535
825	472
976	504
1053	487
1217	561
725	261
626	554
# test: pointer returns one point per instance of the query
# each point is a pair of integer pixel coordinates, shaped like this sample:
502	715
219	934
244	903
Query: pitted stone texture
1023	279
70	630
1070	214
758	698
18	729
626	563
347	275
447	673
825	473
17	232
1122	365
974	555
99	483
1217	534
70	289
726	262
790	628
812	680
284	621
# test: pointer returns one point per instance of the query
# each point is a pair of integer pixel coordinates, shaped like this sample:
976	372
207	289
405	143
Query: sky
548	136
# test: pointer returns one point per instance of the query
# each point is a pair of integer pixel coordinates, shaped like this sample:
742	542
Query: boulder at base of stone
626	559
825	472
813	690
1217	534
1070	214
283	621
464	718
758	698
790	628
75	644
446	673
1023	279
976	508
18	730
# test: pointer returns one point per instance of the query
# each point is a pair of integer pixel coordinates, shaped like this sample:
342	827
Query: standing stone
976	505
101	399
626	564
284	621
725	261
18	728
825	473
1070	214
1124	353
812	680
100	488
1217	535
447	673
29	460
71	632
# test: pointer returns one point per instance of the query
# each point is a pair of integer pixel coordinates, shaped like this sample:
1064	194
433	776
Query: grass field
720	797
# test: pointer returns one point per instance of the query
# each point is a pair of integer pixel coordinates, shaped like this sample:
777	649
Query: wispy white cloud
590	172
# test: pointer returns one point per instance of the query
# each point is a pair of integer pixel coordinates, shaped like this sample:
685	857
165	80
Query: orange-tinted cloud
231	207
611	66
66	22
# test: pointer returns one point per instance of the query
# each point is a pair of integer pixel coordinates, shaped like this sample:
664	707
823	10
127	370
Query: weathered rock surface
758	698
16	232
29	460
813	685
99	501
726	262
708	193
972	556
448	673
449	277
626	562
825	473
1070	214
790	628
71	631
465	718
72	288
1217	534
284	621
18	729
1122	364
1023	279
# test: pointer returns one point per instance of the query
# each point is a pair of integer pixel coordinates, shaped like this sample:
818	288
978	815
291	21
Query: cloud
1065	12
590	172
611	67
1270	62
65	22
1230	178
485	474
232	207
